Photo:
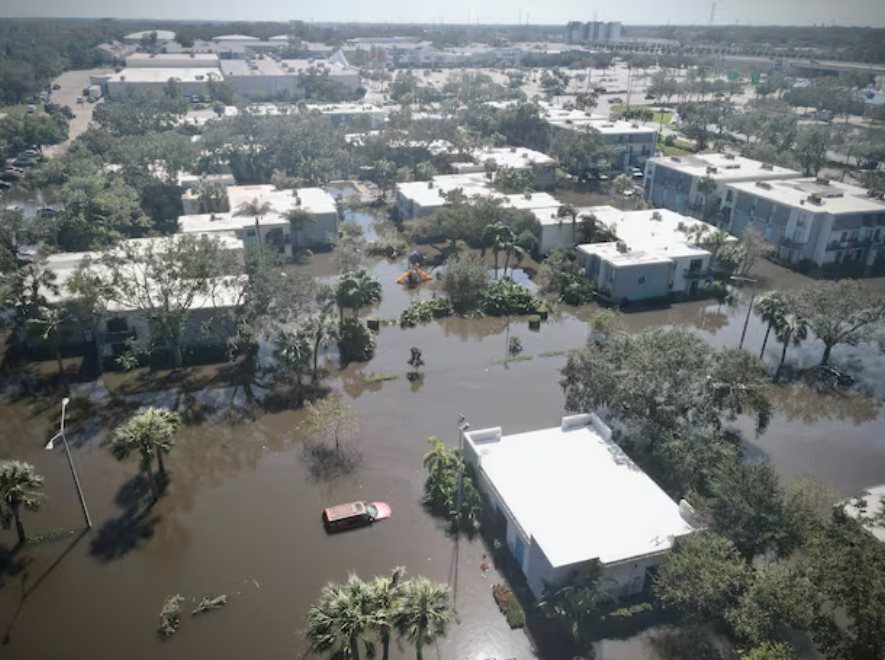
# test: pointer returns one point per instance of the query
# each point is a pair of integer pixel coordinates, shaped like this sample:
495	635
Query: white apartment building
568	495
828	224
671	182
542	166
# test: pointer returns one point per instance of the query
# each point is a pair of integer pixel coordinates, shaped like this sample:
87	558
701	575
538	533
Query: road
72	84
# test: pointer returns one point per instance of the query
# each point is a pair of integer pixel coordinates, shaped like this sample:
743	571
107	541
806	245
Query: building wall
556	237
684	275
630	149
639	282
266	86
187	88
668	188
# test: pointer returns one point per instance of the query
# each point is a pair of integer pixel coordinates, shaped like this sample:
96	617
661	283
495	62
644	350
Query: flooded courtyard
242	515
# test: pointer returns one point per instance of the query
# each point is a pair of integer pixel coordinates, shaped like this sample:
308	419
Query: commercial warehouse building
568	495
189	81
268	78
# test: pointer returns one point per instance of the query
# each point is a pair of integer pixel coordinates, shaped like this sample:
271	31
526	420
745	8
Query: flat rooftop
577	493
426	195
532	201
152	74
345	108
157	59
612	254
513	157
313	200
836	197
619	127
659	231
728	167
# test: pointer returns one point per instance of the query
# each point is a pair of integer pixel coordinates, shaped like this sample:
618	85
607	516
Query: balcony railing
696	274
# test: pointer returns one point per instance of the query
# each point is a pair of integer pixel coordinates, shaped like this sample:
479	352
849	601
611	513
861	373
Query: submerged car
354	514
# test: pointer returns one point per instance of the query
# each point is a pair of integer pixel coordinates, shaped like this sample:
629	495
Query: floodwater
242	514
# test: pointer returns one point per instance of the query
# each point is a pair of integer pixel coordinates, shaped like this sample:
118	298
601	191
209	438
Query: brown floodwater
242	513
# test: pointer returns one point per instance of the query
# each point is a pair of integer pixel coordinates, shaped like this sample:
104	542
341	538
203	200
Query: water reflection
799	402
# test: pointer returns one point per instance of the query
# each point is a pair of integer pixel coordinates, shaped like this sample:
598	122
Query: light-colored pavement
72	85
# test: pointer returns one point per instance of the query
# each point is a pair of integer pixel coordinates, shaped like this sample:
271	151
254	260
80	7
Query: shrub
466	278
561	276
505	296
355	342
509	606
441	487
424	311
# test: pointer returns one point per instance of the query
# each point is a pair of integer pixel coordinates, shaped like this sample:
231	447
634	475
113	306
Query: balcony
696	274
792	243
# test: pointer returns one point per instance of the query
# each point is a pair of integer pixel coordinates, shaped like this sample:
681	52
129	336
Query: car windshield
373	512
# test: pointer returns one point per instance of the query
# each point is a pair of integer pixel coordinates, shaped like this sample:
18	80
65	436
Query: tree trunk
355	648
419	655
506	262
777	374
385	645
257	231
765	341
496	264
149	472
19	527
316	356
161	467
61	364
825	360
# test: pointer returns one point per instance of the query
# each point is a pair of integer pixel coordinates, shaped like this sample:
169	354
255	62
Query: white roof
610	253
659	231
619	127
313	200
199	59
513	157
151	74
577	493
869	511
235	37
345	108
162	35
728	167
428	196
836	197
532	201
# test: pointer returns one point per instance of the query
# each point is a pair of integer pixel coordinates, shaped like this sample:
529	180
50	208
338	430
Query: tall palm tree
298	219
357	290
151	433
19	487
255	209
386	591
341	619
771	308
294	352
706	186
424	613
790	329
497	235
569	211
50	322
512	249
323	329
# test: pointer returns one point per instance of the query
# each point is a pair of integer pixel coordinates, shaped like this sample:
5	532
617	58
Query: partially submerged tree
579	601
466	279
843	312
19	488
151	433
341	619
424	613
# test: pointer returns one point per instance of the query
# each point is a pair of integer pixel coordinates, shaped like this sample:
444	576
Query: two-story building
811	222
671	182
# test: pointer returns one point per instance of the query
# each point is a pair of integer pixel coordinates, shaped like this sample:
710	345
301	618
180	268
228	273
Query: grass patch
676	149
513	358
657	118
381	378
509	606
50	535
547	354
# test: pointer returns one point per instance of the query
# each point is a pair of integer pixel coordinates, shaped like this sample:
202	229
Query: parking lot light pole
64	440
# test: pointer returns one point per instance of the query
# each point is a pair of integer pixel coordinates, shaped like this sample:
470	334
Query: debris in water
170	616
208	603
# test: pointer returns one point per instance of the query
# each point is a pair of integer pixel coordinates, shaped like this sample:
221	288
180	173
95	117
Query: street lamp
738	278
64	439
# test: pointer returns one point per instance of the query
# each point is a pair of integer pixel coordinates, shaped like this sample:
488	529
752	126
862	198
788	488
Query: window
695	265
844	237
117	324
728	196
642	280
250	233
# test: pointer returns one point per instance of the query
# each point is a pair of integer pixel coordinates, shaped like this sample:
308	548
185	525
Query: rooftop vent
656	215
712	170
764	184
729	156
816	199
767	166
733	166
822	181
676	159
513	150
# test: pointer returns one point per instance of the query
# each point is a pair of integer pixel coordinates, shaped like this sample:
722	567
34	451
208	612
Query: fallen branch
208	603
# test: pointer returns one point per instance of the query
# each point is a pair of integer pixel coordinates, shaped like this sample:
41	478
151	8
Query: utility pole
754	282
64	439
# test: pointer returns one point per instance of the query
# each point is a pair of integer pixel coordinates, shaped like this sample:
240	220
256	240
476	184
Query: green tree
579	601
701	578
777	597
580	153
150	432
622	184
357	290
351	250
790	329
514	180
569	211
843	312
770	307
331	421
293	350
424	613
770	651
49	324
496	236
444	467
256	209
385	593
706	187
341	619
323	329
299	219
19	487
562	277
811	148
748	507
466	279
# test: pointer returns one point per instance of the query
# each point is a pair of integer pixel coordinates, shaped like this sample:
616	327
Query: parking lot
71	87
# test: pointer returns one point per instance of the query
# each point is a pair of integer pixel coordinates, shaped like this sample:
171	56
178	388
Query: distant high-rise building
592	32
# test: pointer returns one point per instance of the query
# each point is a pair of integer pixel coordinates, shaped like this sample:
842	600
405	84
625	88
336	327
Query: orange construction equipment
414	275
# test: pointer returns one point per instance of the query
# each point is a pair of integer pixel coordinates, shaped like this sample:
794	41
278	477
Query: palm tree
324	330
386	592
424	613
790	329
150	432
255	209
19	487
341	619
511	249
771	308
357	290
569	211
293	351
706	186
299	219
50	321
497	235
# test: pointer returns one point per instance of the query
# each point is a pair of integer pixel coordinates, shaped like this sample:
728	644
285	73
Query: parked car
649	97
5	185
616	99
354	514
32	109
80	99
56	87
46	212
10	175
636	173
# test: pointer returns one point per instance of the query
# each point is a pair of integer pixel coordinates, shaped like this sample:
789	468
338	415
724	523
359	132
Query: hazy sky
790	12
